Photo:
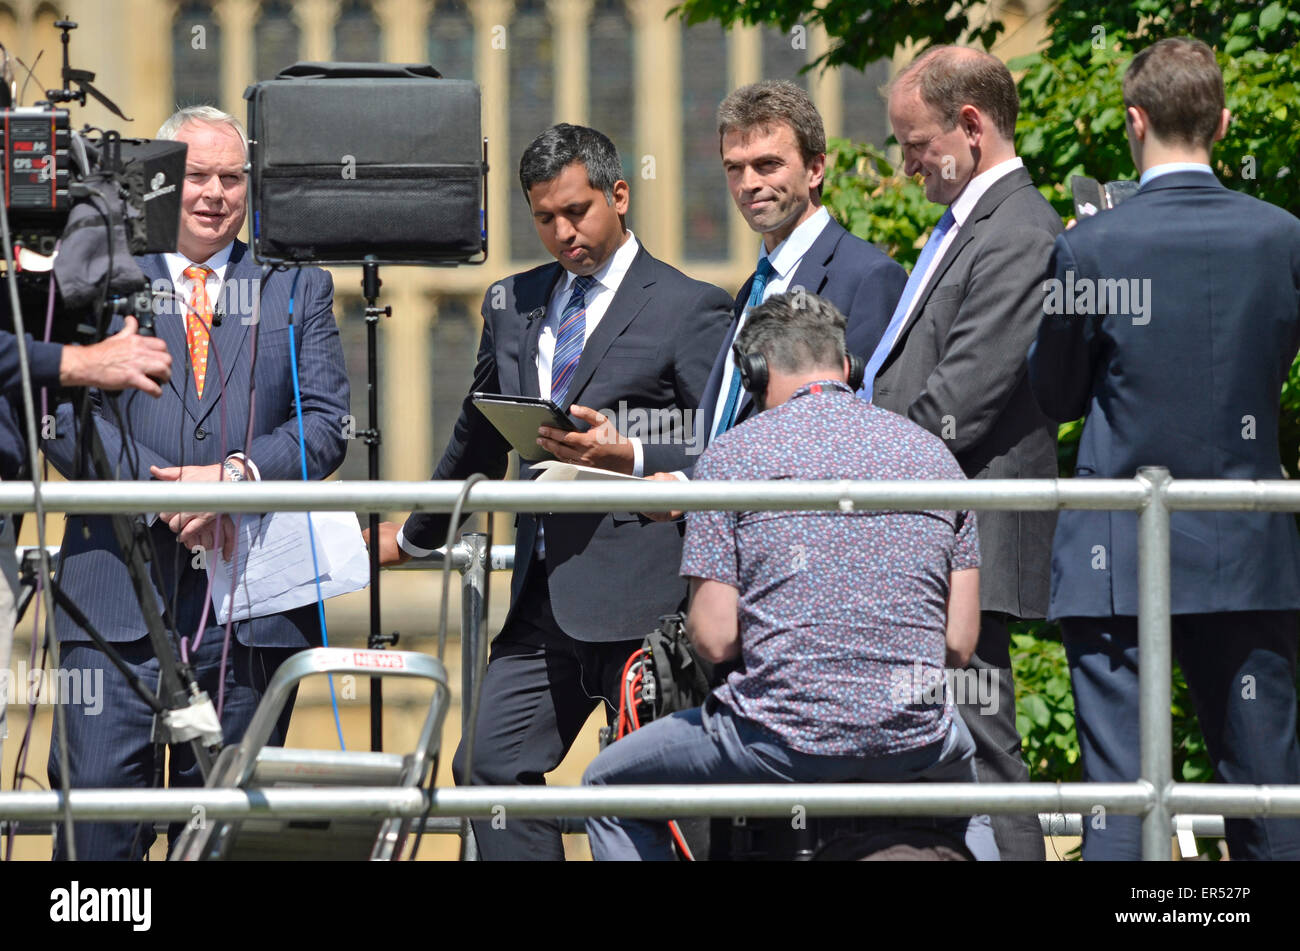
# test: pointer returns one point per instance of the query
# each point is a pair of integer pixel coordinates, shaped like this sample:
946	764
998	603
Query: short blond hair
209	114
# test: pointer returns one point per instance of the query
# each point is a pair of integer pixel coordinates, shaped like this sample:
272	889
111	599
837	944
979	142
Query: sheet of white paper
276	570
555	471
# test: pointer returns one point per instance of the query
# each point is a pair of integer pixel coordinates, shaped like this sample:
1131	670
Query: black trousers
990	715
540	687
1240	668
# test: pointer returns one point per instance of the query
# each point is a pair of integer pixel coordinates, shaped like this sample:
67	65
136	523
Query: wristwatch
233	472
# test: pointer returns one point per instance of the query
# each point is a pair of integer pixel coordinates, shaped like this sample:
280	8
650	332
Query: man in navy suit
195	432
606	326
773	149
1181	323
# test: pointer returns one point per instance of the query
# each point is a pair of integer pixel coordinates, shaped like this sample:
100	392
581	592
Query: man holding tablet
606	326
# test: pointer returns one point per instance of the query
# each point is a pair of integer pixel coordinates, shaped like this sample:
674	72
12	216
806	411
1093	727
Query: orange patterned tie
196	334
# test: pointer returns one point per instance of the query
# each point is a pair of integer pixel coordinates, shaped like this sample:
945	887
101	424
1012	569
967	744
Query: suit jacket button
200	433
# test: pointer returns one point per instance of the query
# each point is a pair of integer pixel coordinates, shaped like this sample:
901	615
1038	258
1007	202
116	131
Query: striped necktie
570	339
728	417
198	318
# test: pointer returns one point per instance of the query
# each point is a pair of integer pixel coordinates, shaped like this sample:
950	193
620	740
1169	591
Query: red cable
681	841
636	683
622	727
622	696
628	720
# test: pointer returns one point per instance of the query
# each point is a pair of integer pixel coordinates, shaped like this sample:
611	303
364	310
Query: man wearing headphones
844	620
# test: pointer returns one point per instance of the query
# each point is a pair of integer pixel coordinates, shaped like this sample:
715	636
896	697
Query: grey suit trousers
997	741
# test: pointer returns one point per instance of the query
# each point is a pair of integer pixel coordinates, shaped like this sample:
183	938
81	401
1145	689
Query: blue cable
311	532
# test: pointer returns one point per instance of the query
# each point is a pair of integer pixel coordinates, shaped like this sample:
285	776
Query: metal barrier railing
1154	796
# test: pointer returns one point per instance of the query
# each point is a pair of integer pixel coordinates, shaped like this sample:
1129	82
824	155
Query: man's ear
1137	121
1225	119
817	170
622	197
973	124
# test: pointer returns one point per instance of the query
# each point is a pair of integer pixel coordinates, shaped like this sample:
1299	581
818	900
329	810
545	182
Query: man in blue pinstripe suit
195	432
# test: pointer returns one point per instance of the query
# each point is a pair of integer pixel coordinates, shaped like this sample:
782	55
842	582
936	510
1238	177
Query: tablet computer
517	418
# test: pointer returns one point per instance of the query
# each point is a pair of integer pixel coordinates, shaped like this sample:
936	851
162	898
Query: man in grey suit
604	325
195	432
953	357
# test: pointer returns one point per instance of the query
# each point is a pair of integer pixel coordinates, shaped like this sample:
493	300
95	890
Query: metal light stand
370	284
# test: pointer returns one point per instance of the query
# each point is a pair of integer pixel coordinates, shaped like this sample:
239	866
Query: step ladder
253	765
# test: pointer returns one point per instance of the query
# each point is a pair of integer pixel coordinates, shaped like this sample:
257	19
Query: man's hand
663	516
390	553
600	447
198	528
125	360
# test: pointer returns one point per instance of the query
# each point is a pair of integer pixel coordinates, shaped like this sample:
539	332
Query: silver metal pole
1155	661
771	799
472	576
503	559
596	496
1052	824
472	641
1213	798
1229	495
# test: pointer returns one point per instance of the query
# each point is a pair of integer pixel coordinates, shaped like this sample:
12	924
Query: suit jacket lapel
812	269
963	238
742	404
998	193
630	299
240	291
534	299
713	388
169	326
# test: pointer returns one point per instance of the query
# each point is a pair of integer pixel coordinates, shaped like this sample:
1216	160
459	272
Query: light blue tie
909	292
728	417
570	339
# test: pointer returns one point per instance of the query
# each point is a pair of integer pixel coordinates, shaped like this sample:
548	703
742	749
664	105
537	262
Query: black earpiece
752	368
857	372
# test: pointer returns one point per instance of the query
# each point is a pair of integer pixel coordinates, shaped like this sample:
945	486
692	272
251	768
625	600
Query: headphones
752	368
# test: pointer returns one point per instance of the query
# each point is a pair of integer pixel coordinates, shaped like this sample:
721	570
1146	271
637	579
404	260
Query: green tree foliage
1072	113
861	31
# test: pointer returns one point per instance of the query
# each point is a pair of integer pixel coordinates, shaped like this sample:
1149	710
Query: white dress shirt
176	265
1168	168
785	259
961	209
